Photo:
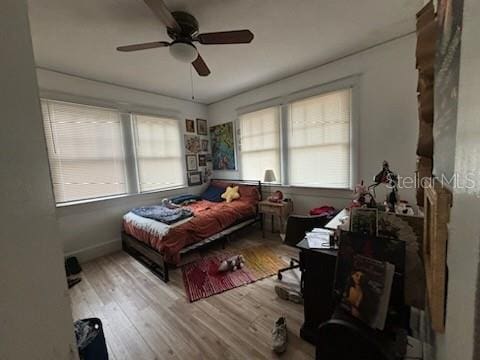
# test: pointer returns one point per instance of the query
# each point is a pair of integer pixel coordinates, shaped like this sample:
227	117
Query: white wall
388	118
36	322
464	229
92	229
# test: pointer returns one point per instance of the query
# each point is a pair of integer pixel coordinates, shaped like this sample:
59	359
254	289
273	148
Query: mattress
209	218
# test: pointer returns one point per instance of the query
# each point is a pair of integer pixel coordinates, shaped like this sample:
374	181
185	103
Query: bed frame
154	261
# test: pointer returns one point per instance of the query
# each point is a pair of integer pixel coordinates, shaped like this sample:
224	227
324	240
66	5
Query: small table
279	210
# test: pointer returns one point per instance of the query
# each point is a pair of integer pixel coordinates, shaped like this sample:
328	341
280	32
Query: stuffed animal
231	264
276	197
230	194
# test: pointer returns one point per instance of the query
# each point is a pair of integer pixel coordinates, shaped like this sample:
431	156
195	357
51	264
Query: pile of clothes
167	213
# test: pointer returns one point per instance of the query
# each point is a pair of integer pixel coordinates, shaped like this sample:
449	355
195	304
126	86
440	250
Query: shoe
279	335
73	281
287	294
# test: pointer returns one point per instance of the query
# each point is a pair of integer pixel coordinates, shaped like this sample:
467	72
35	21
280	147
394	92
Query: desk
318	272
338	220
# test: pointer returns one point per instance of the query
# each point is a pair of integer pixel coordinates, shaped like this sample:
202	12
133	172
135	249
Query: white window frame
254	108
126	110
133	133
351	82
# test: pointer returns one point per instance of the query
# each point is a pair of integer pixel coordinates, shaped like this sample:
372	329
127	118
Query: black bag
72	267
90	339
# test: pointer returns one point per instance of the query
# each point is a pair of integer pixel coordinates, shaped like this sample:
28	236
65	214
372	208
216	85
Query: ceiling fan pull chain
191	80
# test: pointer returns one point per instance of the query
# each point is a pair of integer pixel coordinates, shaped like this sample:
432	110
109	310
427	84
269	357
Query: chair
363	342
297	226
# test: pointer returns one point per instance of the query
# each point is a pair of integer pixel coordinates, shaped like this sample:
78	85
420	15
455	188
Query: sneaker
279	335
288	294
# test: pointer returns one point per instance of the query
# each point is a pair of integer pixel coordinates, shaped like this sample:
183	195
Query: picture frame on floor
194	178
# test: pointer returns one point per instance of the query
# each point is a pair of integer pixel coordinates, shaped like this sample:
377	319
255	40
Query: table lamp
269	176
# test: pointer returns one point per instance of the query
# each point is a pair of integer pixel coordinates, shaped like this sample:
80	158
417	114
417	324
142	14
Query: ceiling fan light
183	51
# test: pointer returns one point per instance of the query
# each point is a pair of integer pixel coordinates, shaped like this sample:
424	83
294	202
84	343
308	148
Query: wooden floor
144	318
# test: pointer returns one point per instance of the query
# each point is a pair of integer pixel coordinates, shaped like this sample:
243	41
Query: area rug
201	278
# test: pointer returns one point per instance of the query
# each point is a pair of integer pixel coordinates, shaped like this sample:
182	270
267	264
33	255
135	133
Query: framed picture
202	160
364	221
438	200
409	229
192	144
223	146
205	145
194	178
190	125
201	127
191	162
207	173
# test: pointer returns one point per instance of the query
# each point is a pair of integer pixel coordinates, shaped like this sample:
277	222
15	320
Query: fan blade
201	67
226	37
144	46
160	9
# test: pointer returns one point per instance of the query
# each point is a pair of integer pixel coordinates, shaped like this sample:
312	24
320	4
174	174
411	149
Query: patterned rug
201	278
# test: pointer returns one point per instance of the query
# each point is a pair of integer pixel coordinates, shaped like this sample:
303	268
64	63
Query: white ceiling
80	37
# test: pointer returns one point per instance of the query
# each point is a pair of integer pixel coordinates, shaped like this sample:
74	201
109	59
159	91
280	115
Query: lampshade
269	176
183	51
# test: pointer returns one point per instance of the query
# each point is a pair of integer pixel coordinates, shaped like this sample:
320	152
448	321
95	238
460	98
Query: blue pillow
213	193
181	198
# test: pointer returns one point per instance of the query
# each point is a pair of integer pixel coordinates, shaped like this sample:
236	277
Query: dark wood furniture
344	337
318	272
297	226
154	261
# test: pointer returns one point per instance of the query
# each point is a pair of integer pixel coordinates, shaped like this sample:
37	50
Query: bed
159	246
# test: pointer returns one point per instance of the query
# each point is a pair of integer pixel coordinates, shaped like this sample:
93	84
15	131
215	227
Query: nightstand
277	210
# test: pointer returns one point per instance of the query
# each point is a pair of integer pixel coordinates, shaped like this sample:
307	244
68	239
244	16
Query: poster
223	147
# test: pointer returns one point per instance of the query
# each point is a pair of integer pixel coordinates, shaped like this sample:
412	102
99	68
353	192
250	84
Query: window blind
159	152
319	140
260	143
85	148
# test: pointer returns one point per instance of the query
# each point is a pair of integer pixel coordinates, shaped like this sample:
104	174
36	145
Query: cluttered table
340	219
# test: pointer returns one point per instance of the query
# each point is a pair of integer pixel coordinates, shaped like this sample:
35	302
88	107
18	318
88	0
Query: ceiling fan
182	28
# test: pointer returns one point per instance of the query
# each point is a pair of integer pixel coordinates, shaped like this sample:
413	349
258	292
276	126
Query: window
308	140
85	149
319	141
159	153
93	151
260	143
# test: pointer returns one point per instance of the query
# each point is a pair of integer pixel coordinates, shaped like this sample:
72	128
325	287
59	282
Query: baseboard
95	251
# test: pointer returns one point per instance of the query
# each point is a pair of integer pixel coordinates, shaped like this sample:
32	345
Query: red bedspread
209	219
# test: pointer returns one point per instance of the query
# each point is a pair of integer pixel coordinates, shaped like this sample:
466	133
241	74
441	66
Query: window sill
305	187
294	190
114	197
